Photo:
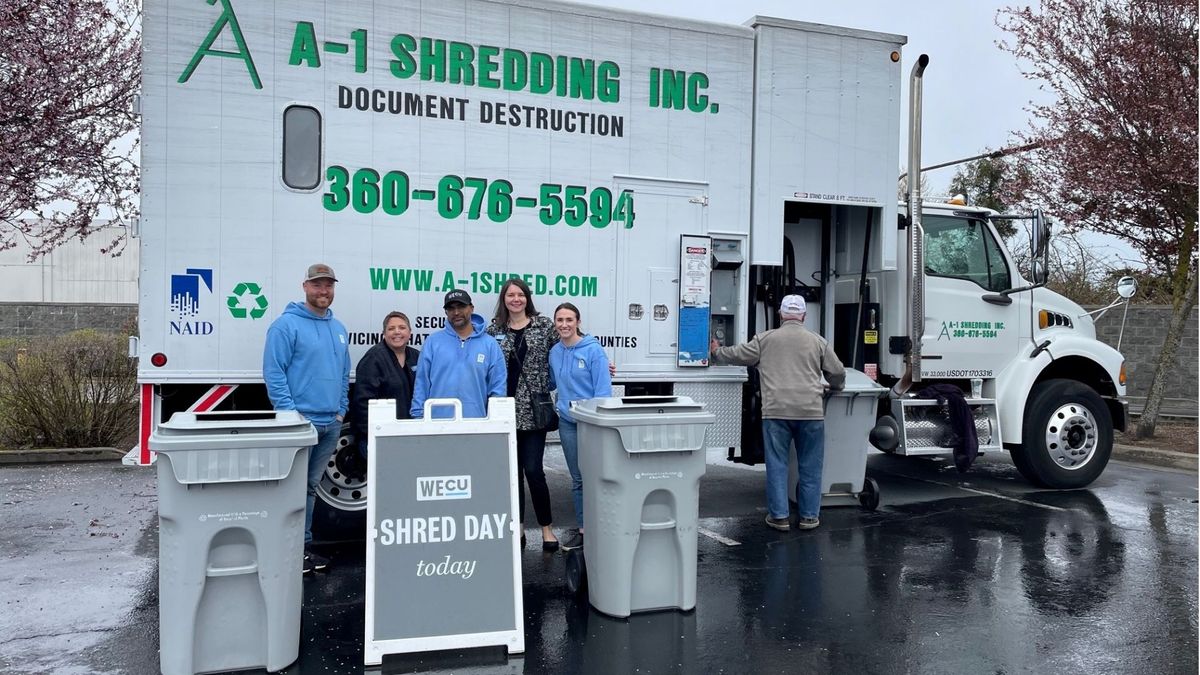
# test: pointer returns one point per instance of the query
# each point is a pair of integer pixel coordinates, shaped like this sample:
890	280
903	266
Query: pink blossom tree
1118	148
67	149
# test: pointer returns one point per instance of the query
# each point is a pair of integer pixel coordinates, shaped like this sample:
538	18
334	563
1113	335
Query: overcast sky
975	95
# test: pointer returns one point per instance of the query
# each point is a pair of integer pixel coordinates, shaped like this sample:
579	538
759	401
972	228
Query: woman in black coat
387	370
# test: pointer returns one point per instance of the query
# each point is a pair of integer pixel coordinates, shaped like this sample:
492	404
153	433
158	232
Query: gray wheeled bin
849	418
231	495
641	458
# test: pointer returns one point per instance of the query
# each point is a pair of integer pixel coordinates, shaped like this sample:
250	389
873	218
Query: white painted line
721	538
1010	499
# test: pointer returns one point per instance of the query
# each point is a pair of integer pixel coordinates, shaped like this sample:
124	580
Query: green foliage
988	182
68	391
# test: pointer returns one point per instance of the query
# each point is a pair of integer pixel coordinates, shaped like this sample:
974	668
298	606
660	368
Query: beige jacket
790	360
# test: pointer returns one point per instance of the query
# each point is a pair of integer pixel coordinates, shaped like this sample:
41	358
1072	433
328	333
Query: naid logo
435	488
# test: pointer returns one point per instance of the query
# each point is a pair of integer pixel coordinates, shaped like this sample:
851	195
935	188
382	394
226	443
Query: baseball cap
792	304
319	271
456	295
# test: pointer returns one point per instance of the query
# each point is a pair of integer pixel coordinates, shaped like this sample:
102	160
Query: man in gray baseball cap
319	271
306	365
791	361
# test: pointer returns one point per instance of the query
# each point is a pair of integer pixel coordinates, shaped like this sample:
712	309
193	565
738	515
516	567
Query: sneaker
780	524
573	540
314	562
807	523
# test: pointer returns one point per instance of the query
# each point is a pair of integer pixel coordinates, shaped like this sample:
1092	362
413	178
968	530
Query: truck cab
1041	384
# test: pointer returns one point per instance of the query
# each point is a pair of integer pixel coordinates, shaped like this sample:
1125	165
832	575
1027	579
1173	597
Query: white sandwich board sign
443	558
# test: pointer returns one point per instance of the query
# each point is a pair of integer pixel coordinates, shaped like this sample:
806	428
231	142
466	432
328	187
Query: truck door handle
997	299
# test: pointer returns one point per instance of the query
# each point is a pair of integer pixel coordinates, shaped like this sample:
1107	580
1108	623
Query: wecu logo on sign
434	488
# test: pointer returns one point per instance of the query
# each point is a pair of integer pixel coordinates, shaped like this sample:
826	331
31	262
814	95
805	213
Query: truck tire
343	487
1020	459
1068	435
340	513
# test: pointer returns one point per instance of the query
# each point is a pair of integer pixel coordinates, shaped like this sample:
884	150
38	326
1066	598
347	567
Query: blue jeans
568	434
318	459
809	437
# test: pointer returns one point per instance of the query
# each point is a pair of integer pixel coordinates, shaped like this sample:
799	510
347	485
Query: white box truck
660	173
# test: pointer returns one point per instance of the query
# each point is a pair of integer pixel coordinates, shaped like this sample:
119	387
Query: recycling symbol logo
247	300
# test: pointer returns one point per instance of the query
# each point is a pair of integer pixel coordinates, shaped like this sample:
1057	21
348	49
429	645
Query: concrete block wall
1145	329
34	319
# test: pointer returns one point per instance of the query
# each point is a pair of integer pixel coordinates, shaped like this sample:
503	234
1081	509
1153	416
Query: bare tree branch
1119	146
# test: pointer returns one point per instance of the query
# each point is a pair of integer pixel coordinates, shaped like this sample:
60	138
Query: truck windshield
963	248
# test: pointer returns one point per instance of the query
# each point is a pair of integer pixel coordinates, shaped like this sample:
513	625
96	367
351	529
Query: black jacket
962	422
378	375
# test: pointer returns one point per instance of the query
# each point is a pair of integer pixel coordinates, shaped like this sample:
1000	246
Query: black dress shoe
551	545
522	540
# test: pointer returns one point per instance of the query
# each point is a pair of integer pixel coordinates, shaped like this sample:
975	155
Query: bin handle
231	571
452	402
661	525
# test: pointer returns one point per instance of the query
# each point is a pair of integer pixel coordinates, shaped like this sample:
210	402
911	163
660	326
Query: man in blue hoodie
306	365
460	361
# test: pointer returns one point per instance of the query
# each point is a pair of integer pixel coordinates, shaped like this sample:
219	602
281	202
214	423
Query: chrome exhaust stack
916	233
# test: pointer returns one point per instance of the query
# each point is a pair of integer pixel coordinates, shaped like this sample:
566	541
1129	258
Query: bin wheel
576	573
869	497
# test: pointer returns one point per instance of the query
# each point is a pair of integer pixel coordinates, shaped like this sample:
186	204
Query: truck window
301	147
963	248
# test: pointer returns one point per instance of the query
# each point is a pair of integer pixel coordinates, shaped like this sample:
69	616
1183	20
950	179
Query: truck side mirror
1038	234
1126	287
1039	247
1038	271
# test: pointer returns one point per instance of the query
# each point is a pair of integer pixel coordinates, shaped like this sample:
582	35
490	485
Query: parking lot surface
953	573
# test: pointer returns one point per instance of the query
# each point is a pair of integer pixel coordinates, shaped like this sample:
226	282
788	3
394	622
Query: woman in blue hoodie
579	370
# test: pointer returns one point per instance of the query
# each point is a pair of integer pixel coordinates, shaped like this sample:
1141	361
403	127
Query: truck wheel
344	484
1068	435
1020	459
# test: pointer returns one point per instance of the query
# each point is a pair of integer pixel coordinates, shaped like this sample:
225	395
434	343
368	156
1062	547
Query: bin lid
233	429
858	384
641	410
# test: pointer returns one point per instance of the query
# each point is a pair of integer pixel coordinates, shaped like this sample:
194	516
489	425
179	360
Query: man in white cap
791	360
306	365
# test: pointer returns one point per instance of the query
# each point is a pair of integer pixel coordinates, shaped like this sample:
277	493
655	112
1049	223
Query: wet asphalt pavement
953	574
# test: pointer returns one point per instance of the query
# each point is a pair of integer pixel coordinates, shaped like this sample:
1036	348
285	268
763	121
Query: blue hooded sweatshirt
306	364
579	373
470	370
